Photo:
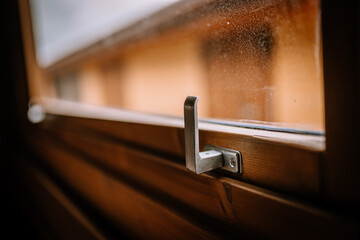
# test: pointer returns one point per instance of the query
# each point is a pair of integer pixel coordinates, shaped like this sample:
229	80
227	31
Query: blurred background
258	62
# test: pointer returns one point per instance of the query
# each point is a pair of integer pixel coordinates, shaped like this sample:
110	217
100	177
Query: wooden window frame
285	162
297	168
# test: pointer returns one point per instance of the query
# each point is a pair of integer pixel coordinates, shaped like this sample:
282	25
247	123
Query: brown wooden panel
56	211
154	172
243	208
268	164
129	208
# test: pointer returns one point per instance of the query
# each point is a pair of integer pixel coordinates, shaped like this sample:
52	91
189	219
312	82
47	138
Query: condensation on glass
257	62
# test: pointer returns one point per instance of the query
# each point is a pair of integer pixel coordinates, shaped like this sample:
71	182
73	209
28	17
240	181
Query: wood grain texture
133	189
106	115
55	215
268	164
130	209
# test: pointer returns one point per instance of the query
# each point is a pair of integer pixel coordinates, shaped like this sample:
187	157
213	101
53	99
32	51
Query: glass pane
257	62
64	26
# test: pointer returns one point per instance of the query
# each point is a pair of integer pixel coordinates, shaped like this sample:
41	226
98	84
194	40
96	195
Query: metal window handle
213	157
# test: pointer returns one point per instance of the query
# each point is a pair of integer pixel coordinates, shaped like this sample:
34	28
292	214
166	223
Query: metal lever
214	157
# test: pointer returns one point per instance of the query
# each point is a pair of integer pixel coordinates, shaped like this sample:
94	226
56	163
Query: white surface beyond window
64	26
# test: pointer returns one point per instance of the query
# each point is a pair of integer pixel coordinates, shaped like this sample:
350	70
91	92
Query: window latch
213	157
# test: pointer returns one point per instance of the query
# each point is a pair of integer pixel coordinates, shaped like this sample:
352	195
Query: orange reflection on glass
248	62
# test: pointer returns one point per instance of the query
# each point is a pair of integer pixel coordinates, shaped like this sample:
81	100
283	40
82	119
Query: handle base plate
232	158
